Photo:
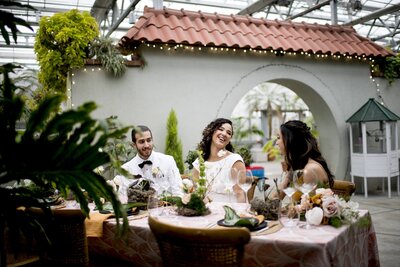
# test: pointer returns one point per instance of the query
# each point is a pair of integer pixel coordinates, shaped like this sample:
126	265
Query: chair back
181	246
67	234
343	189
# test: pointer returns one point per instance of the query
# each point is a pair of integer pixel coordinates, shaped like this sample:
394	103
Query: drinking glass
289	215
305	186
244	181
154	206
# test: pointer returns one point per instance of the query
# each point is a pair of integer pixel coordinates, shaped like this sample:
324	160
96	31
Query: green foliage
244	151
196	203
60	150
119	150
242	131
190	158
61	44
335	222
271	149
392	68
103	49
173	145
9	20
388	67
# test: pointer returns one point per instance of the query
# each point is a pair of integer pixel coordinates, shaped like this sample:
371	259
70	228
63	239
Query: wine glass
244	179
305	181
289	215
154	206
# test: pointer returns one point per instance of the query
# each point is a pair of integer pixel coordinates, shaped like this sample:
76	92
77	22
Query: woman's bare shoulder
314	168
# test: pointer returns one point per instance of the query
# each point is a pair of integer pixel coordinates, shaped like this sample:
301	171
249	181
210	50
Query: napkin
273	226
94	225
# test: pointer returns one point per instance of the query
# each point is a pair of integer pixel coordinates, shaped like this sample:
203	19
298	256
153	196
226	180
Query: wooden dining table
324	245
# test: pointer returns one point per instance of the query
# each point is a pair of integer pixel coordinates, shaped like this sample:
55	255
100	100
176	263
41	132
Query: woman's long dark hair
205	143
300	146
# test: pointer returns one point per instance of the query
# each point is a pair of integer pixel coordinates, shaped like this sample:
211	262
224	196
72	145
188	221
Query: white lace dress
219	177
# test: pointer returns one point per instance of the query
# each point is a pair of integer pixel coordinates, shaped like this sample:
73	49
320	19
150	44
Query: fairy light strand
174	47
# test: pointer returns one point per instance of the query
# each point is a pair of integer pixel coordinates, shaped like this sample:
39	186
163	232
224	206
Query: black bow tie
146	162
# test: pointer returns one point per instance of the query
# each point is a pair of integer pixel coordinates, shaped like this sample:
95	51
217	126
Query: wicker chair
66	231
344	188
181	246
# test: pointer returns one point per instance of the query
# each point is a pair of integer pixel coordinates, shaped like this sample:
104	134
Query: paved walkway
385	213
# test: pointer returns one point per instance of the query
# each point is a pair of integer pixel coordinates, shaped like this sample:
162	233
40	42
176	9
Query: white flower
186	198
353	205
221	153
117	180
99	170
187	185
315	216
325	192
156	172
113	185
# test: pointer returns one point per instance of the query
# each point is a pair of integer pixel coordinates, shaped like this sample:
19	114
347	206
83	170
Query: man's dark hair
139	129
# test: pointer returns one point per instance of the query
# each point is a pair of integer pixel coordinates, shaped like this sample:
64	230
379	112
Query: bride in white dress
221	163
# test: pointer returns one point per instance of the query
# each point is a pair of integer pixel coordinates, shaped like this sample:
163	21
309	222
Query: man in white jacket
159	169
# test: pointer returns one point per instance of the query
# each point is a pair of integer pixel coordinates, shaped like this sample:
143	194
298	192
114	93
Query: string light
278	52
378	90
283	53
272	51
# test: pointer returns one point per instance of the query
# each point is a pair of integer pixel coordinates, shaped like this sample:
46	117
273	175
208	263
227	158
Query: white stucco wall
203	85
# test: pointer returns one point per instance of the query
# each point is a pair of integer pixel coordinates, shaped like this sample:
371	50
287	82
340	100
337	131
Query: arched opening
318	97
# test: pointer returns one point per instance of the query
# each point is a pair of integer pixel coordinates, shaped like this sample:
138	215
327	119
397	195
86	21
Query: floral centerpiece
327	208
193	202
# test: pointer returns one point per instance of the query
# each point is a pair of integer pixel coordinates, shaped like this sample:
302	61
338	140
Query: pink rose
331	207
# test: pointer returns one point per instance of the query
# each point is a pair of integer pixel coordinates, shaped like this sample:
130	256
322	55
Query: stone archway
315	93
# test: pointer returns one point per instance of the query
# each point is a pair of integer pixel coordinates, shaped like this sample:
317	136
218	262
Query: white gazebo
374	144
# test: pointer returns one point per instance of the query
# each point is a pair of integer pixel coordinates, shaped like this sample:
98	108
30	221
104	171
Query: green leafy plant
272	151
242	131
388	67
103	49
173	145
245	152
60	150
119	149
392	68
61	44
190	158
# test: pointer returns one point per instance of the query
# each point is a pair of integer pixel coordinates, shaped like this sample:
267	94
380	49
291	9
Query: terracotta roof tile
200	28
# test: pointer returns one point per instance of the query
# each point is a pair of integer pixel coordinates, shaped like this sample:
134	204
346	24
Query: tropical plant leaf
9	20
57	149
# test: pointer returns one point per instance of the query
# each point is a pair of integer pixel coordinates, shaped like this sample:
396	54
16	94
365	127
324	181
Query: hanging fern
104	50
